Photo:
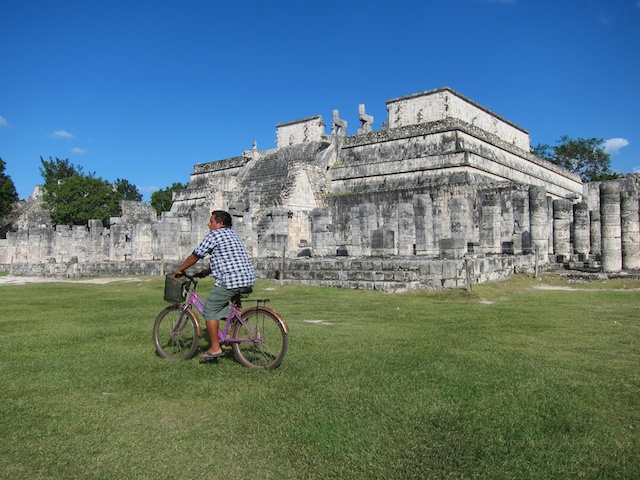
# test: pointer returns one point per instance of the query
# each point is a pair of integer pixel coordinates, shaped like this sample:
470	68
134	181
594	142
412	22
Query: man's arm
189	261
205	272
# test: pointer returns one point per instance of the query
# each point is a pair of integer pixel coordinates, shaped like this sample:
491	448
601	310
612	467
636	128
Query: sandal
210	356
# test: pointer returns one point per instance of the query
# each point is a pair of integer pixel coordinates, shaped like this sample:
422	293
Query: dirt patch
19	280
574	289
553	287
317	322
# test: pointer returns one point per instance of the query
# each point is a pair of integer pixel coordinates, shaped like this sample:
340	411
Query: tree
73	198
80	198
8	194
162	200
53	171
584	157
128	190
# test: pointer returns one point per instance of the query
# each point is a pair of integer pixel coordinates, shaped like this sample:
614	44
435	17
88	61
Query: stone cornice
448	125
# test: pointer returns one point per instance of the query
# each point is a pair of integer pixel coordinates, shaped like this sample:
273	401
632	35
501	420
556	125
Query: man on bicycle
231	267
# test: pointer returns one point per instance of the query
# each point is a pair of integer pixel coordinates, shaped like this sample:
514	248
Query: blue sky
143	90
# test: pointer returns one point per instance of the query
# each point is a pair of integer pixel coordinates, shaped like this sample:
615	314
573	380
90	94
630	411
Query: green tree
8	194
127	190
80	198
73	198
162	200
53	171
583	156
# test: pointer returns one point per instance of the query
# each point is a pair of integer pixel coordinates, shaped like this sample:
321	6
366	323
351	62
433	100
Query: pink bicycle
258	335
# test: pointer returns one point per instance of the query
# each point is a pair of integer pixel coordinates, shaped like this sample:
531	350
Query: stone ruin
445	194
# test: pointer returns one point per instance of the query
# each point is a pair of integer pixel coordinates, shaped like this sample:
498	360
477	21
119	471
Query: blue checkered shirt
230	263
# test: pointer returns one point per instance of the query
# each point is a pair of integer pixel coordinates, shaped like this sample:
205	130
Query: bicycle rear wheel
266	340
176	338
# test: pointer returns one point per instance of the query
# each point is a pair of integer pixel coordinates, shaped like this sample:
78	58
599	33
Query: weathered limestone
581	230
595	233
443	103
339	126
490	219
521	222
366	120
309	129
444	180
610	226
592	197
562	227
539	220
630	228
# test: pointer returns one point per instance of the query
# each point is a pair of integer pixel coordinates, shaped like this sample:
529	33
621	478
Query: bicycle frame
234	313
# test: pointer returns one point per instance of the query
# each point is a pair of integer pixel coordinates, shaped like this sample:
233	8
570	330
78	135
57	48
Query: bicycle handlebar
191	278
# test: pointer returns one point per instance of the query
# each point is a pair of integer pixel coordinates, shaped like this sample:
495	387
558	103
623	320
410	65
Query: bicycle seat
246	290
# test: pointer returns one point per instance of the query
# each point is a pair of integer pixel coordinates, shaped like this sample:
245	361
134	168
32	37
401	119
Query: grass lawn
523	379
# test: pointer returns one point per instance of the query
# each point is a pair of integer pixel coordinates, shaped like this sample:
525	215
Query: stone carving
367	120
339	127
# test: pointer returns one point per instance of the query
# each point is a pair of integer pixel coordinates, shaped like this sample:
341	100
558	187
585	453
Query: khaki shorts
216	306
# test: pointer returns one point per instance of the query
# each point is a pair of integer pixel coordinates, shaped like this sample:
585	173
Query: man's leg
212	328
216	306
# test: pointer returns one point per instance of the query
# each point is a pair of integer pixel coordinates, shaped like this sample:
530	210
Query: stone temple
445	193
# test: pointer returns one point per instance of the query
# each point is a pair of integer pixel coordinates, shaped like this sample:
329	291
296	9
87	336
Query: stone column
31	242
46	244
367	222
79	243
322	233
118	240
22	245
406	229
562	227
521	222
453	247
490	218
460	223
630	229
610	226
383	243
539	221
596	233
550	225
423	217
581	230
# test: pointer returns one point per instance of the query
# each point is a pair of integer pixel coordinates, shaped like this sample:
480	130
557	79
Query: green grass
509	382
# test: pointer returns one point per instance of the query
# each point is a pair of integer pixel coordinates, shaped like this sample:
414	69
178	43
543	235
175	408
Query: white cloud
3	122
62	134
78	151
613	145
149	189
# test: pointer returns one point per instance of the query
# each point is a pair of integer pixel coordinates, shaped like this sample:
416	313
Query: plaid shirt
229	260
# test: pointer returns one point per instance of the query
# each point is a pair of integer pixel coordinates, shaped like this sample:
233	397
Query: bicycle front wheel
264	340
176	335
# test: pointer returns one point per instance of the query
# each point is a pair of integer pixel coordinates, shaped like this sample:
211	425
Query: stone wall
395	274
300	131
